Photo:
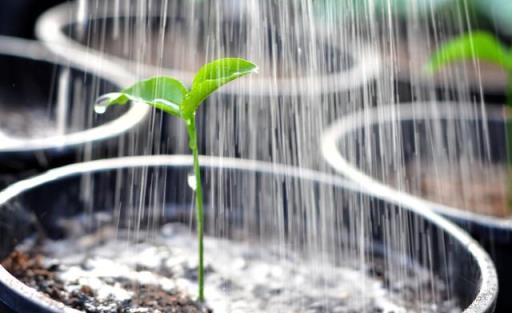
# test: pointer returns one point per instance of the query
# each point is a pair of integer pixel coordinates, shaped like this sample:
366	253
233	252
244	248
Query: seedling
476	45
171	96
486	47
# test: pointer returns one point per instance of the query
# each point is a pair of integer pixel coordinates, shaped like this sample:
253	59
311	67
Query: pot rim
33	50
49	29
484	300
410	111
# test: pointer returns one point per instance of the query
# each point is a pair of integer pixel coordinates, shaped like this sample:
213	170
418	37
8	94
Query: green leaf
164	93
211	77
476	45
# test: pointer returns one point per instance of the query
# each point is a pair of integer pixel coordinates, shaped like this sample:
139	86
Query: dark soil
152	299
148	298
238	284
283	63
26	122
484	192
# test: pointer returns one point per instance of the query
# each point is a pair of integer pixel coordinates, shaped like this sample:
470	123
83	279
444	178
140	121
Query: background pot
18	17
258	201
47	109
374	148
406	33
275	115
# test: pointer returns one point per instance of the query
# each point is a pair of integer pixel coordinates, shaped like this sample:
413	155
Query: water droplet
102	103
100	108
191	180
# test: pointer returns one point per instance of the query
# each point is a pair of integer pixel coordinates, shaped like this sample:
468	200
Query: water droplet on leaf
191	180
102	103
100	108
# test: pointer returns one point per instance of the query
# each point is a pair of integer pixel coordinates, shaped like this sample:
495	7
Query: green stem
192	135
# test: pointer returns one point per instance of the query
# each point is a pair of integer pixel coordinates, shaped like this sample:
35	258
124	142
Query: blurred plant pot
445	156
47	115
265	116
355	225
18	17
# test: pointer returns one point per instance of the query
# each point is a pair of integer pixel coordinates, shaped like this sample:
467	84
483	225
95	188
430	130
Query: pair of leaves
476	45
170	95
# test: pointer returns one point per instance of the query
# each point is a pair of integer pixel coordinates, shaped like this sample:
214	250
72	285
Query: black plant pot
376	149
48	109
18	17
259	201
265	116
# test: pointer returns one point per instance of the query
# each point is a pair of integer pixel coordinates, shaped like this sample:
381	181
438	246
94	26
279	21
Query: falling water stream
319	61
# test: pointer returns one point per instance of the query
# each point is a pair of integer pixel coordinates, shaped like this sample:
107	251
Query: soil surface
18	123
97	274
481	189
147	298
190	53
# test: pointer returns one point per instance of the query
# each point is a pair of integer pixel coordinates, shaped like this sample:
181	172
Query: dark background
18	17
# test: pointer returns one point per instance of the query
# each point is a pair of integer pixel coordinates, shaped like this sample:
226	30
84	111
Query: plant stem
192	136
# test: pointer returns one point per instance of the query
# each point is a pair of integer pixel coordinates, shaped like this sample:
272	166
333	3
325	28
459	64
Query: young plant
171	96
475	45
486	47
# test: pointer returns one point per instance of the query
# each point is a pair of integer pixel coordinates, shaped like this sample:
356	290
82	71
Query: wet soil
25	123
97	275
147	298
189	53
480	190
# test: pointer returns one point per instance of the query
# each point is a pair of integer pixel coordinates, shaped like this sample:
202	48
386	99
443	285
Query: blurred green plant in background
486	47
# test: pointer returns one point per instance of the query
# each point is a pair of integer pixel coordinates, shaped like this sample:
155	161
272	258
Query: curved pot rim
33	50
49	29
483	302
410	111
